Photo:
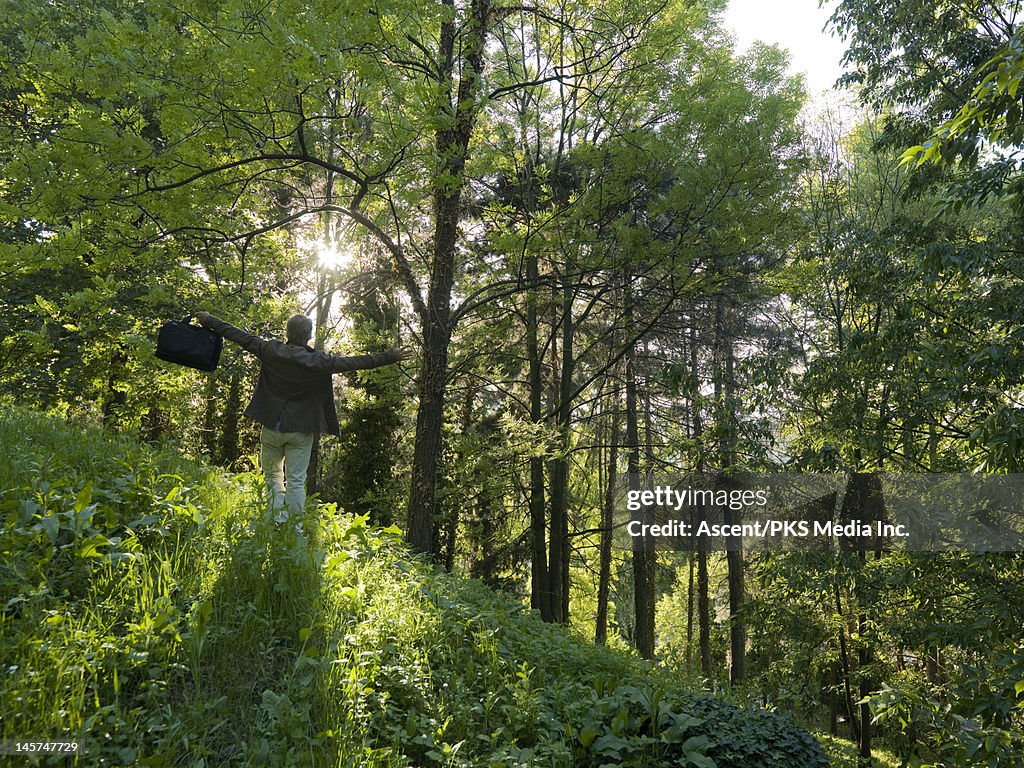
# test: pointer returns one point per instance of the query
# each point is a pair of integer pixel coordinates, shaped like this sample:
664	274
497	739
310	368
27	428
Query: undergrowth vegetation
154	614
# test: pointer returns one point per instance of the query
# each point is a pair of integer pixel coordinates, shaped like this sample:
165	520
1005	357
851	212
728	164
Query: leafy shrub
974	728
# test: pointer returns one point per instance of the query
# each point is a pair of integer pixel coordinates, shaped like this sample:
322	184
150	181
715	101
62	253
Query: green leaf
83	498
91	546
51	524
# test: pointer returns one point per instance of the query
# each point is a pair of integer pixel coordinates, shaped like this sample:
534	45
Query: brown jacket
294	392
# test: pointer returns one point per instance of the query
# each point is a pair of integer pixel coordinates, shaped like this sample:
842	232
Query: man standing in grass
293	400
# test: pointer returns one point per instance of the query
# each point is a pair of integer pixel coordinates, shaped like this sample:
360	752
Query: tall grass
154	613
101	555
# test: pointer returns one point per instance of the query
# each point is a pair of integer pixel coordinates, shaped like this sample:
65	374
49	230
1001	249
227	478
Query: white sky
796	25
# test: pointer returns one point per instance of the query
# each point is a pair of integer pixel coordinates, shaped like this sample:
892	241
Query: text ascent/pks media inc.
669	498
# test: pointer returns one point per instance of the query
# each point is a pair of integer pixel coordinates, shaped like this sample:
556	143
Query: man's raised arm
246	341
314	359
341	364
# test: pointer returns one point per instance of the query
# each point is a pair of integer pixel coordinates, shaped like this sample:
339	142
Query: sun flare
330	256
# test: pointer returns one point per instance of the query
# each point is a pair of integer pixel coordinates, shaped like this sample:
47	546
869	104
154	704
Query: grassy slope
152	613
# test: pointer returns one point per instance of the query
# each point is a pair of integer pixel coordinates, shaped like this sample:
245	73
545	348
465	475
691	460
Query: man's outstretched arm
341	364
246	341
316	360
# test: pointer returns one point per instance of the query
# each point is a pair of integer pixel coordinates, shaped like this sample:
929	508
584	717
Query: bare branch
297	159
397	253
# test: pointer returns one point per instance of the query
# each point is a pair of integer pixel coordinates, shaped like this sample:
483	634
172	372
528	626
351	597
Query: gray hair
299	329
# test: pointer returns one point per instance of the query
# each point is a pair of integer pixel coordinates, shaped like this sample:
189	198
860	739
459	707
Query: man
293	400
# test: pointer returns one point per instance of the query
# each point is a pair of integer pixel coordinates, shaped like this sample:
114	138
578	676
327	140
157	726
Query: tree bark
452	147
864	751
559	560
691	560
540	586
643	637
703	586
724	387
651	555
844	661
607	510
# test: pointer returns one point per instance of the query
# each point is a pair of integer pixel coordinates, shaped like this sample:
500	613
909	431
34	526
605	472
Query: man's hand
202	317
401	353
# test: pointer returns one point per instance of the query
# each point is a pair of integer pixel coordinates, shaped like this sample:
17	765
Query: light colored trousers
285	458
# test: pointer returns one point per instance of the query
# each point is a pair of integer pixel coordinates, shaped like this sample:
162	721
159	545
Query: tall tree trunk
691	571
724	388
427	447
540	585
643	637
703	586
703	607
452	147
607	520
935	667
844	662
554	541
559	560
651	556
855	506
691	560
864	751
868	506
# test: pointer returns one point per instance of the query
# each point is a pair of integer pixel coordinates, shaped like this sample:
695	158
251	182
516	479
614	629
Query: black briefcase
192	345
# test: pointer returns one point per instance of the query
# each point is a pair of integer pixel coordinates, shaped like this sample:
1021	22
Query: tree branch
303	158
